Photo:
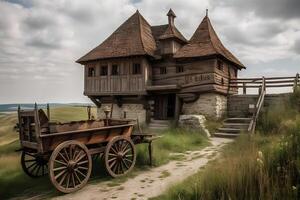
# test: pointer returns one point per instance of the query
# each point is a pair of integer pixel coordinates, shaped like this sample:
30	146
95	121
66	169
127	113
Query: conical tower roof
205	42
133	37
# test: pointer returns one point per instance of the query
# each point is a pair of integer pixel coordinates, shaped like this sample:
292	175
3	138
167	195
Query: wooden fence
270	82
262	84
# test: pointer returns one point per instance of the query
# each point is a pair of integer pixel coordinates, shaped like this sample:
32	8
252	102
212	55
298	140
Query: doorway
164	106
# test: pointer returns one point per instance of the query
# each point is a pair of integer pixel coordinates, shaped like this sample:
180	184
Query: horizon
42	40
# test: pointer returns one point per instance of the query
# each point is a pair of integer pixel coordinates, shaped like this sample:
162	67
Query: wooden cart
65	150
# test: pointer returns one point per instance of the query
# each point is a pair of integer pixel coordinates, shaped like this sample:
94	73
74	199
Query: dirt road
153	182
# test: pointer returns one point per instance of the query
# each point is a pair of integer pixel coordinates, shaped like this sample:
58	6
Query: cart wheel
70	166
34	165
119	156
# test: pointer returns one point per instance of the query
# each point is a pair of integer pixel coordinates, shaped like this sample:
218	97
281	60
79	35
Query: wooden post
177	109
48	111
264	83
150	152
229	80
296	82
89	112
244	88
112	107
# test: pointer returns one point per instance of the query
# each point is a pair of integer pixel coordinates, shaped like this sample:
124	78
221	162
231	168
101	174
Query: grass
173	140
262	166
14	182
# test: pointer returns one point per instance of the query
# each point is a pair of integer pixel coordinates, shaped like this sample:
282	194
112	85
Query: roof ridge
140	31
209	33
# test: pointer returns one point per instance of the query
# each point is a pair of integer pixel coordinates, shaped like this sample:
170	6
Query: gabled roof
133	37
172	32
205	42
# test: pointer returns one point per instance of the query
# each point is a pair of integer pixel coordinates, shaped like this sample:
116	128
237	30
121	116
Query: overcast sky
40	40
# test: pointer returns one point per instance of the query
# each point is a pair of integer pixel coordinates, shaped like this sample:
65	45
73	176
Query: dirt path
153	182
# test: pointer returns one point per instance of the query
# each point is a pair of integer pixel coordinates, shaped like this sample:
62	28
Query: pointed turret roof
171	13
133	37
172	31
205	42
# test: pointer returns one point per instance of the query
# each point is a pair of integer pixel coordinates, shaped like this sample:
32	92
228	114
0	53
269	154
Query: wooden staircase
233	127
243	110
159	124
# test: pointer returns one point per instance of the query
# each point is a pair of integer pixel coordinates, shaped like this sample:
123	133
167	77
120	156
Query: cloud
40	40
279	9
296	46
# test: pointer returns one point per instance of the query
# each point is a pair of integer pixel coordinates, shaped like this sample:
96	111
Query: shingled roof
205	42
133	37
172	32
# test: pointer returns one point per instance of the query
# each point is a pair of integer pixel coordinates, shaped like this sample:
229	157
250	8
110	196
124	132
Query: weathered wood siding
124	83
198	76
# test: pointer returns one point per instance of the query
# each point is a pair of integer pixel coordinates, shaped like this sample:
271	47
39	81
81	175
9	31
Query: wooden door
164	107
160	107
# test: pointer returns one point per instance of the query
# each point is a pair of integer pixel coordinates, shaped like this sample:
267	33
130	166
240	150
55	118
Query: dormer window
136	68
220	65
179	69
163	70
103	70
91	72
115	70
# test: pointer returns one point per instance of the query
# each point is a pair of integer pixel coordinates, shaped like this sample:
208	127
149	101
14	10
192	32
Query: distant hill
14	107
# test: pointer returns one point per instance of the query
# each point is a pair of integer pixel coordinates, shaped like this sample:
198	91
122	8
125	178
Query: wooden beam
178	103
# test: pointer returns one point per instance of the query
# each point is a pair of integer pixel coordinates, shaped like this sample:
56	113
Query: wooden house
154	72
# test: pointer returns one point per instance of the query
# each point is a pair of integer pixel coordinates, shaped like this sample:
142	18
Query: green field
14	182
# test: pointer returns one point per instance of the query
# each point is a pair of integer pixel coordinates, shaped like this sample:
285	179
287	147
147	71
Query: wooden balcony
117	85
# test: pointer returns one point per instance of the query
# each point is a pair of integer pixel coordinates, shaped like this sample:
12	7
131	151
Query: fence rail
269	82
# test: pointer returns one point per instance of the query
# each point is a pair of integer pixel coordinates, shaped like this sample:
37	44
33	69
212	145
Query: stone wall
133	111
210	104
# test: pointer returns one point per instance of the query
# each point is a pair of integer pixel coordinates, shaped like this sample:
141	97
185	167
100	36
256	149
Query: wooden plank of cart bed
86	130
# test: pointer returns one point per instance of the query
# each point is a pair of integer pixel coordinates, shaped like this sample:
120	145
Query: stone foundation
211	105
133	111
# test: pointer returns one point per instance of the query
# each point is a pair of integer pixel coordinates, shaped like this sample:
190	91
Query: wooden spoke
76	176
70	166
73	180
68	181
63	157
60	162
60	168
123	161
63	178
83	175
33	164
119	156
85	168
83	162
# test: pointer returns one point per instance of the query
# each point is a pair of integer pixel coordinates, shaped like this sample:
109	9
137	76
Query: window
103	70
163	70
115	70
179	69
136	68
91	72
220	65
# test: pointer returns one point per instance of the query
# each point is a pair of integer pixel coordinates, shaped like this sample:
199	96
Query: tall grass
263	166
